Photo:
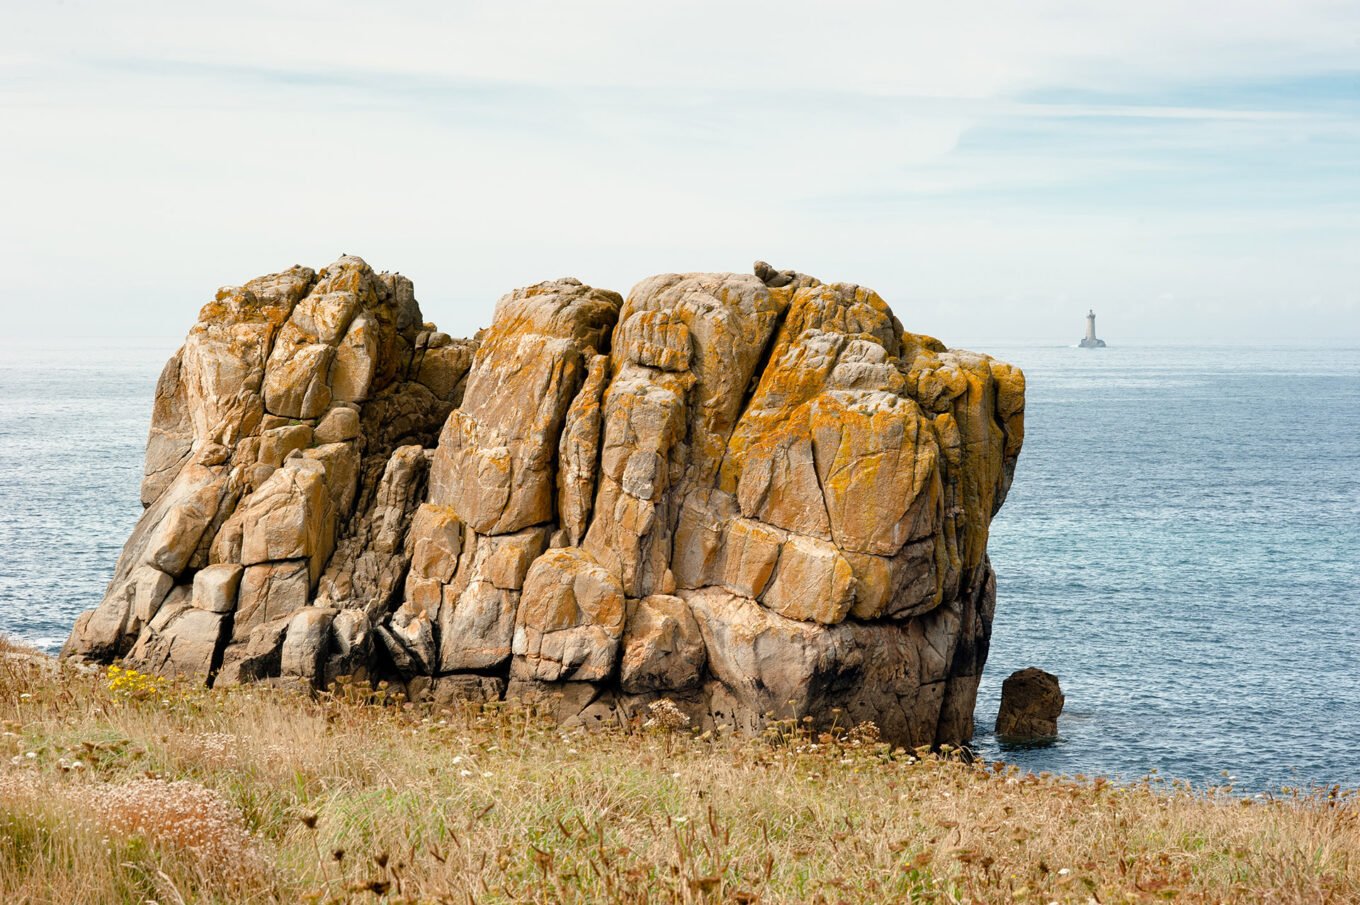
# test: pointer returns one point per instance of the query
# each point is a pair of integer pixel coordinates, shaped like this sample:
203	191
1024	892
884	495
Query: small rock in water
1031	700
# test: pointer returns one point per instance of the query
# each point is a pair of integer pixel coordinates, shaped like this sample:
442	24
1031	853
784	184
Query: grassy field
116	787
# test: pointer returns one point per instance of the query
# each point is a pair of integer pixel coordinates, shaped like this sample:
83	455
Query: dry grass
253	795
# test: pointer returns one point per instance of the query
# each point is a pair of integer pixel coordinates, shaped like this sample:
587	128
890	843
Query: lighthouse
1089	341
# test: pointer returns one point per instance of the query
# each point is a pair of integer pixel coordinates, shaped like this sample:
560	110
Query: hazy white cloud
990	168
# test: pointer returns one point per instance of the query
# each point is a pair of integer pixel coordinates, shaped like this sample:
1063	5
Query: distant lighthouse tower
1089	341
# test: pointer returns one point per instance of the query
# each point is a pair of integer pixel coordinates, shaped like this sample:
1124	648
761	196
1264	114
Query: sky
993	170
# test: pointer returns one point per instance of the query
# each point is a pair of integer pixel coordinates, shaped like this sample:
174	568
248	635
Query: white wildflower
667	715
184	815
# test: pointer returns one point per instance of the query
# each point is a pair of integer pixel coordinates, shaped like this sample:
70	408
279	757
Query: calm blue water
73	424
1181	546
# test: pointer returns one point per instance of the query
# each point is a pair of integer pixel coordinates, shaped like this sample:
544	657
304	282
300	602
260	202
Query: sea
1181	546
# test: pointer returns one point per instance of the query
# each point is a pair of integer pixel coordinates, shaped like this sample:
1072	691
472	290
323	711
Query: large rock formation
754	496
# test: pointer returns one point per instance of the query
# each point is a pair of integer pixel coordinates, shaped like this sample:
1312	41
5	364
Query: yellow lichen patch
876	459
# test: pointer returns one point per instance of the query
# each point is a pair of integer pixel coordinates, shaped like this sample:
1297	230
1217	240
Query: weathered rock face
753	496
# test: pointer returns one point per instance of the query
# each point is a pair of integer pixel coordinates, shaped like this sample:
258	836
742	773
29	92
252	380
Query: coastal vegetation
121	787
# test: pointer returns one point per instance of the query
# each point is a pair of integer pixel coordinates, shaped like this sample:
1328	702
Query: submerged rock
1031	701
754	494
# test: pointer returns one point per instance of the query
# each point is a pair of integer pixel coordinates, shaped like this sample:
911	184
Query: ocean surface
1181	545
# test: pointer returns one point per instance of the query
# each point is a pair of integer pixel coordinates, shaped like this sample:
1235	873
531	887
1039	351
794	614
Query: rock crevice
753	494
